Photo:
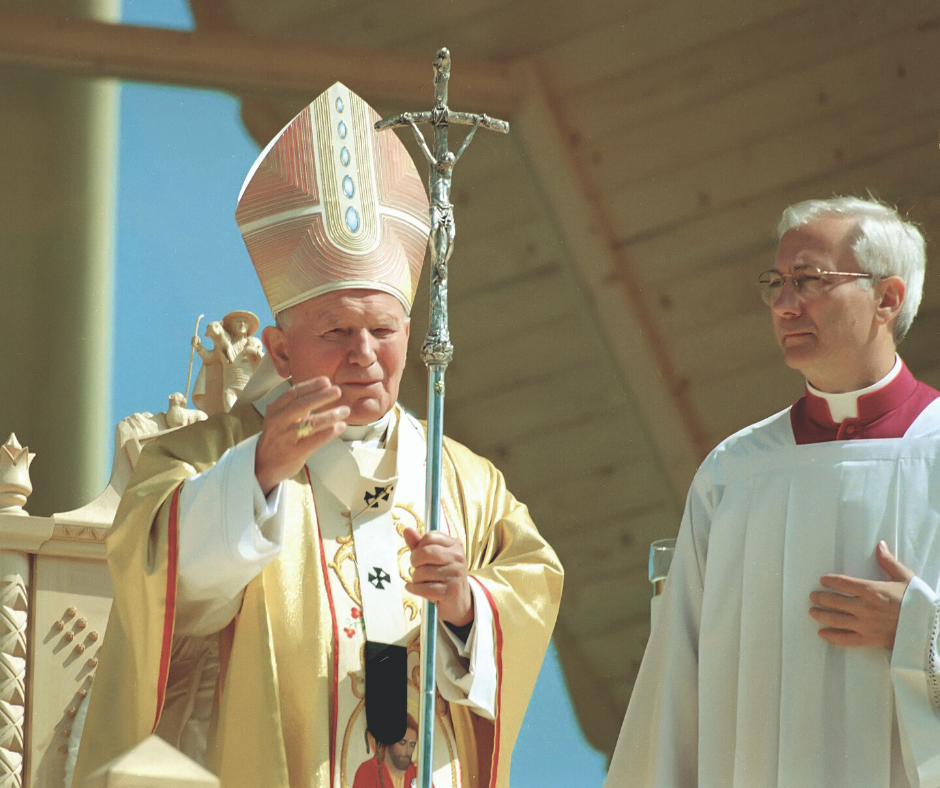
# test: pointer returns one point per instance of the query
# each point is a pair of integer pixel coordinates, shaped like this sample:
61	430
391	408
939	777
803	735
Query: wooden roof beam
238	62
636	343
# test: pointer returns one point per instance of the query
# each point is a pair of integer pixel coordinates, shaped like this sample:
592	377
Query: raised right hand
281	451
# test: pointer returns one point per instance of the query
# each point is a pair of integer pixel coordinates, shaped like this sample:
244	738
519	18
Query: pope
269	564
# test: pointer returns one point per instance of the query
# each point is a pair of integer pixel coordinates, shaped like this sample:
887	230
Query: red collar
885	413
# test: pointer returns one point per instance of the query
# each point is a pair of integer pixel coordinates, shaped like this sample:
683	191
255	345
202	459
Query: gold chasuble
289	709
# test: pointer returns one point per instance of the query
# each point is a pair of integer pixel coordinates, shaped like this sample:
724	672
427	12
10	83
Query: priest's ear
890	293
275	342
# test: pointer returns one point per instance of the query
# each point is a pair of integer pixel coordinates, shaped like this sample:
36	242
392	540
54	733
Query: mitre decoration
331	204
15	485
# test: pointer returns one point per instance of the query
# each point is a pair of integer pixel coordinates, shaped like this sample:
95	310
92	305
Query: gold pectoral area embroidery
344	752
414	680
346	552
357	680
400	525
404	561
414	647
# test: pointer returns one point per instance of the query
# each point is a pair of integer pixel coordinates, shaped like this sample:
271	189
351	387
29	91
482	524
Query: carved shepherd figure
227	367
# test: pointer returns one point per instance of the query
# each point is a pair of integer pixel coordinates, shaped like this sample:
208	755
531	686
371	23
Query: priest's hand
862	612
440	575
296	424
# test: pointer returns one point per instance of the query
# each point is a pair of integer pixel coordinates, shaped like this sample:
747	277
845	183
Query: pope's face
829	338
356	338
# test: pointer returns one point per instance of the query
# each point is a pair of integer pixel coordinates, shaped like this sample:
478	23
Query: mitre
332	204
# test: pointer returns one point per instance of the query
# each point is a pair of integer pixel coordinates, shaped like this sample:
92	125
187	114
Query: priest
269	565
797	644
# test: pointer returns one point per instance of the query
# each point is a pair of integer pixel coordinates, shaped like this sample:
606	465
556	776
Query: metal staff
437	350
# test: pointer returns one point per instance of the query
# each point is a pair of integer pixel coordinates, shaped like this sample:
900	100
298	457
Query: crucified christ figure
441	242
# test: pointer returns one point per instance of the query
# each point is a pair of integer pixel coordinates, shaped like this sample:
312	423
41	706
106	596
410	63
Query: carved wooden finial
15	486
155	763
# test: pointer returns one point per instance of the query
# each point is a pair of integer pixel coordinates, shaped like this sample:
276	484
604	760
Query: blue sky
182	157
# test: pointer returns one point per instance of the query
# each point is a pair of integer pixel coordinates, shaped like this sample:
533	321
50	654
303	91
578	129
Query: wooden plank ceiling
606	326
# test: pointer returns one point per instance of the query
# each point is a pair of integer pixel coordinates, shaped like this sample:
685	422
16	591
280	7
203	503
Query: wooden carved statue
226	368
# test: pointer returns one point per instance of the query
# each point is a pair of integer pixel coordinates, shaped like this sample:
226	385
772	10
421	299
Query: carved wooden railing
13	618
15	487
55	596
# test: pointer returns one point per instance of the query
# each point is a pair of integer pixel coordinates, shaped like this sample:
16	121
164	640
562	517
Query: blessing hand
440	575
282	450
860	612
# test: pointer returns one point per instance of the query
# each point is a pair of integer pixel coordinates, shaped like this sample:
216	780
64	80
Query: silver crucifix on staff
437	350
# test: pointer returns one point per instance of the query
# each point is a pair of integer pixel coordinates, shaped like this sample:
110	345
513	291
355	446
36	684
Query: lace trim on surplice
933	661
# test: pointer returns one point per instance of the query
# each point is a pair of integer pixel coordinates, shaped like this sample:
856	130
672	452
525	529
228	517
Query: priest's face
832	338
356	338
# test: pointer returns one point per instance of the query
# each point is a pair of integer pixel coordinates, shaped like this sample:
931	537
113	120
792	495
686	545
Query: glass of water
660	558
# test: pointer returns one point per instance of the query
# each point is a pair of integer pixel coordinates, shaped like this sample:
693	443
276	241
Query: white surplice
736	688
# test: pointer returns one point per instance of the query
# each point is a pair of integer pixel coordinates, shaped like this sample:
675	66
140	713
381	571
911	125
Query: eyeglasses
807	280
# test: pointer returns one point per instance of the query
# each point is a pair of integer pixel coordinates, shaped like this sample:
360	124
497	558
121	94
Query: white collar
844	405
369	436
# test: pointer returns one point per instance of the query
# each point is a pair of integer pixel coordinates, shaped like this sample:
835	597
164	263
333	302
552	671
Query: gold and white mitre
332	204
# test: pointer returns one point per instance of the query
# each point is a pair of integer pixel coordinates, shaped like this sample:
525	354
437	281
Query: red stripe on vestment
329	596
169	609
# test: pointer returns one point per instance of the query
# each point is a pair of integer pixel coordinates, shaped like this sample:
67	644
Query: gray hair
886	245
284	319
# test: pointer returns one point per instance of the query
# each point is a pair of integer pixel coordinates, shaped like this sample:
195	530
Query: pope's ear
892	291
275	342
